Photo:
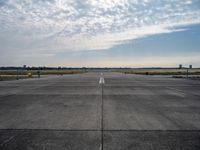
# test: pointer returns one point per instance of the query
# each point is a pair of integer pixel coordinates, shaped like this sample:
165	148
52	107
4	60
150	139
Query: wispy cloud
50	26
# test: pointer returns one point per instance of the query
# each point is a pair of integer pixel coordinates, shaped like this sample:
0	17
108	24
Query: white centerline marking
100	148
101	80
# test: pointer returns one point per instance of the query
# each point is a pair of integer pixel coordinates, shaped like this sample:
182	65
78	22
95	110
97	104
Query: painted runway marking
101	80
100	148
176	92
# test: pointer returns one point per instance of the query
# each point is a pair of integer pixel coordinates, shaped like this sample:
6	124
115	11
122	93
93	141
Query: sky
100	33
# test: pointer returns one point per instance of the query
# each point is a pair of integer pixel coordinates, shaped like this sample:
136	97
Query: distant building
180	66
190	66
24	66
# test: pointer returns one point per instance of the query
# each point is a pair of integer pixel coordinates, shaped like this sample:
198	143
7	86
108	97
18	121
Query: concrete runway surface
100	111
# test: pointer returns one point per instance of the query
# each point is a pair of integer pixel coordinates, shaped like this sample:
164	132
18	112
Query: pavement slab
151	140
52	140
75	112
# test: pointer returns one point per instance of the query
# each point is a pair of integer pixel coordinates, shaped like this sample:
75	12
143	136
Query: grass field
163	71
22	74
42	72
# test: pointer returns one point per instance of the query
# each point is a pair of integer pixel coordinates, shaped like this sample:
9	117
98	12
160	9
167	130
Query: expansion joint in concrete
102	128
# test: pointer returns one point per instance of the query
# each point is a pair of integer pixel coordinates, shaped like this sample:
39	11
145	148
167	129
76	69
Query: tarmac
100	111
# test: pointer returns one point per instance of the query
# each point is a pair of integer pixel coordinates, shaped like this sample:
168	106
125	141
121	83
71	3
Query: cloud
52	26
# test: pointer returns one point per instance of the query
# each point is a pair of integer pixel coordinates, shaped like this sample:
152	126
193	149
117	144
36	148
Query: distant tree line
39	68
80	68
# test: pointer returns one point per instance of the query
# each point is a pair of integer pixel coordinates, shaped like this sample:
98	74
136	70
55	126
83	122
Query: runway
100	111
